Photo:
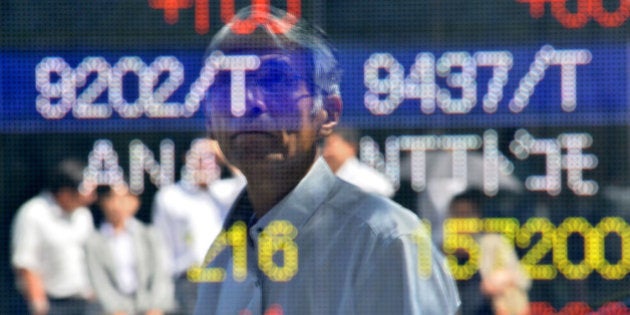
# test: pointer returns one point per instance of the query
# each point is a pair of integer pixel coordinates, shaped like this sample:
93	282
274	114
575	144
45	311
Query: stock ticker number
538	236
541	238
277	237
241	26
386	93
83	90
585	10
608	16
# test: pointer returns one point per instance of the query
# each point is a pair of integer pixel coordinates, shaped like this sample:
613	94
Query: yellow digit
278	236
560	254
532	258
508	227
457	237
210	274
422	238
236	237
598	260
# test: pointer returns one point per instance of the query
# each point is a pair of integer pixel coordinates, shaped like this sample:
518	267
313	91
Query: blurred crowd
68	263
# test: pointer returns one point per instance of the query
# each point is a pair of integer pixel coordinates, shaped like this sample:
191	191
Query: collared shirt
49	241
365	177
121	246
328	248
189	218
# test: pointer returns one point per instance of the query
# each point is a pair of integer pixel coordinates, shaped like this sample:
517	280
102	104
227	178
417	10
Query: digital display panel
524	100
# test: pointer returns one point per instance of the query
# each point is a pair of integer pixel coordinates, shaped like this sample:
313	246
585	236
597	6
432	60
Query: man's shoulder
380	215
84	214
169	198
226	191
169	191
35	208
95	240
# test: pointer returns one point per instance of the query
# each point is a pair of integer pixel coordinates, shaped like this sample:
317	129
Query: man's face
118	206
278	127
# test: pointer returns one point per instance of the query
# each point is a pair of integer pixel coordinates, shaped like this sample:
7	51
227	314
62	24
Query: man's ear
332	109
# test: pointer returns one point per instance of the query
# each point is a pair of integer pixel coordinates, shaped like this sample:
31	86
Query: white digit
63	89
392	85
464	80
145	85
420	84
501	63
85	107
159	107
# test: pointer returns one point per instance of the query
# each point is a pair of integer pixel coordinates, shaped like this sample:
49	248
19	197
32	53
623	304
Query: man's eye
274	73
272	78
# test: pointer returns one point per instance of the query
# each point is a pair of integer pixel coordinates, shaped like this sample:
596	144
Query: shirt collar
302	202
108	230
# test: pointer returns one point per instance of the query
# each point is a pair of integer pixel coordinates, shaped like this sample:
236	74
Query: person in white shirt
126	259
49	232
299	240
340	152
190	213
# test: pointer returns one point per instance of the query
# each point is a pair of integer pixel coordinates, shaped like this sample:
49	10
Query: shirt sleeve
25	241
407	275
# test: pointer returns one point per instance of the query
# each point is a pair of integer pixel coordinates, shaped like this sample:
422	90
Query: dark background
76	29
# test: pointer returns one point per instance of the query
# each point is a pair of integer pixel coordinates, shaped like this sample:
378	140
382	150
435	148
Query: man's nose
255	102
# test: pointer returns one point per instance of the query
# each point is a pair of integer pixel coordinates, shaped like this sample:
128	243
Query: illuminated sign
585	11
259	15
494	164
277	237
579	308
104	167
538	236
497	87
458	235
535	90
421	82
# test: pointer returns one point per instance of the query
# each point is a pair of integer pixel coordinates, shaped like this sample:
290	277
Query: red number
274	309
536	7
260	16
568	19
610	19
577	308
586	9
202	16
171	8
